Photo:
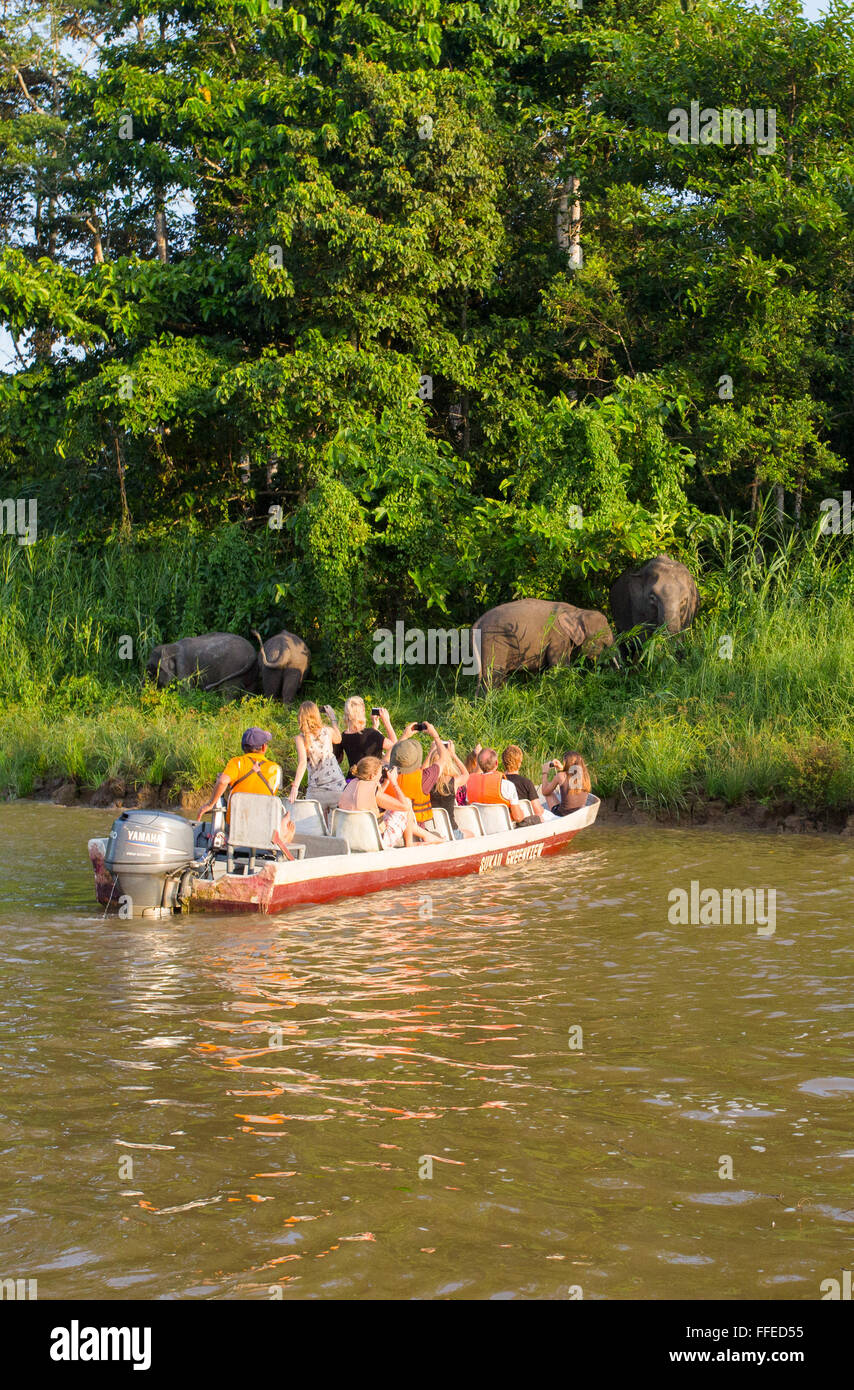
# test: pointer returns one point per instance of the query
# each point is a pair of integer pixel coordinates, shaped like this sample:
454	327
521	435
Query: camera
419	728
375	711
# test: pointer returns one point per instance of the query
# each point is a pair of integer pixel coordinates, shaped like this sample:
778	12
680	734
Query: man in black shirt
511	761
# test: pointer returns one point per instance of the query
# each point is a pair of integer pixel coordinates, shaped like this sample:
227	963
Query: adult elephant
662	593
283	661
532	633
211	661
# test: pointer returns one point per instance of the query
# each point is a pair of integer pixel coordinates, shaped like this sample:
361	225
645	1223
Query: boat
158	864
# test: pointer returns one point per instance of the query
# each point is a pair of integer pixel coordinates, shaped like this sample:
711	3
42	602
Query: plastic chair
359	829
309	818
442	823
253	820
468	818
494	817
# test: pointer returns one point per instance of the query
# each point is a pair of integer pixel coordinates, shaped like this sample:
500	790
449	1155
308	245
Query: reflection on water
518	1085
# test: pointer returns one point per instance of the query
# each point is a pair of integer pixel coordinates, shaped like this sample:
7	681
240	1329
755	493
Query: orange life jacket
410	785
486	787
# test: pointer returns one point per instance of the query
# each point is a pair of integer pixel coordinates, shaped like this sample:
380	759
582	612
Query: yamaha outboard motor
146	853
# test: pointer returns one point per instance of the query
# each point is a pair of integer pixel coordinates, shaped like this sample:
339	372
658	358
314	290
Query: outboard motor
146	853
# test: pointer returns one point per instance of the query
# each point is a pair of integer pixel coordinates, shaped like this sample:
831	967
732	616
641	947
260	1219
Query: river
526	1085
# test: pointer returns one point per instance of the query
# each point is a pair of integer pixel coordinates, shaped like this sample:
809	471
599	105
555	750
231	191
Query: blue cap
254	739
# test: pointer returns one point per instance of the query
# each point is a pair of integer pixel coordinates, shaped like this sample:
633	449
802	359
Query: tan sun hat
407	755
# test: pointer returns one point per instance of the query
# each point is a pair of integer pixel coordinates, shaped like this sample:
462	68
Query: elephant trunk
669	613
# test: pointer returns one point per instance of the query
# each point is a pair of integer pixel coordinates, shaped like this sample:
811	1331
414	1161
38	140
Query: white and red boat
155	863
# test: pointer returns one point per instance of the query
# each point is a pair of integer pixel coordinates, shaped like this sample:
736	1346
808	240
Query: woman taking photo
357	740
315	743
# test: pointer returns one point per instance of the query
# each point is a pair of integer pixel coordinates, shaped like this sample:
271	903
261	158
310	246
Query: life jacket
486	787
410	785
256	775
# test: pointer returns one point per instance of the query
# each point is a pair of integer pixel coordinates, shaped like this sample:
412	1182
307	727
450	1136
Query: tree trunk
160	231
780	498
799	497
568	223
120	466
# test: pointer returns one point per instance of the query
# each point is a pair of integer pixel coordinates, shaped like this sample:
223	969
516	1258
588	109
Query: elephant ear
570	625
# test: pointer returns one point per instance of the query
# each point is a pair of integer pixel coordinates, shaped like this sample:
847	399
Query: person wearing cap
252	772
415	777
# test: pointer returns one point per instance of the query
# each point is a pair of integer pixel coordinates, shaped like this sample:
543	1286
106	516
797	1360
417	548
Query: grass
769	721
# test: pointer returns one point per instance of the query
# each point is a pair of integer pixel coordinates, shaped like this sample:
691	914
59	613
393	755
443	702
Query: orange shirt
241	770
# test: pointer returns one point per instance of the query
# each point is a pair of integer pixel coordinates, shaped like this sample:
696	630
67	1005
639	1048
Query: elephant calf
211	661
532	633
662	593
283	661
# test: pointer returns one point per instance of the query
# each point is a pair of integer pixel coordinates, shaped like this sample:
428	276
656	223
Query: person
453	776
565	789
358	741
315	742
489	786
415	777
511	761
364	792
252	772
471	766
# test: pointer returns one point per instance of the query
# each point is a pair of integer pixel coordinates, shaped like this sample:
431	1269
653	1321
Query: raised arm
391	737
438	745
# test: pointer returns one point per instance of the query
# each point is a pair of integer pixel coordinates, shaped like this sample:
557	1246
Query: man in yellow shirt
252	772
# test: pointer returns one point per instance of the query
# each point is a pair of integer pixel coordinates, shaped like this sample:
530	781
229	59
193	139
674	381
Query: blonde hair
353	703
366	768
576	768
511	758
309	719
447	772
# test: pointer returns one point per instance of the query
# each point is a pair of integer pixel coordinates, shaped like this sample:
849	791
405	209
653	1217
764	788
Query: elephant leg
291	682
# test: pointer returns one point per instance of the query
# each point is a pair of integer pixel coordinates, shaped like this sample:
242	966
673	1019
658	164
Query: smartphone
446	743
375	711
419	728
384	776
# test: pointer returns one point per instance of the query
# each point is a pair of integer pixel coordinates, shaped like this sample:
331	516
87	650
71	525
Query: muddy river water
531	1084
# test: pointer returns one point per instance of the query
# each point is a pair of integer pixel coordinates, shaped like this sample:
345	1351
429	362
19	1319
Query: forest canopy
448	285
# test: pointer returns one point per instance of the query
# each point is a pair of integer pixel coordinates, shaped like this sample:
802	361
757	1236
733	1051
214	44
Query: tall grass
771	720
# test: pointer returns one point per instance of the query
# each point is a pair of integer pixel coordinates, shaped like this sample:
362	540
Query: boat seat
309	818
252	822
442	823
526	808
318	846
494	817
360	830
468	818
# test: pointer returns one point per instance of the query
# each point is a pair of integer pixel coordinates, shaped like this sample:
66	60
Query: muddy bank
783	817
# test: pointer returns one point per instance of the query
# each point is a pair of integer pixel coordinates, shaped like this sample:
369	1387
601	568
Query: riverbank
784	817
748	716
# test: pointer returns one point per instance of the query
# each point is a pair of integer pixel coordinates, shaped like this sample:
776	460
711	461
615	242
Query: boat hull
278	887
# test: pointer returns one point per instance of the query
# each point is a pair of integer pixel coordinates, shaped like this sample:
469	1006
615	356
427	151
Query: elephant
210	661
283	661
532	633
662	593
